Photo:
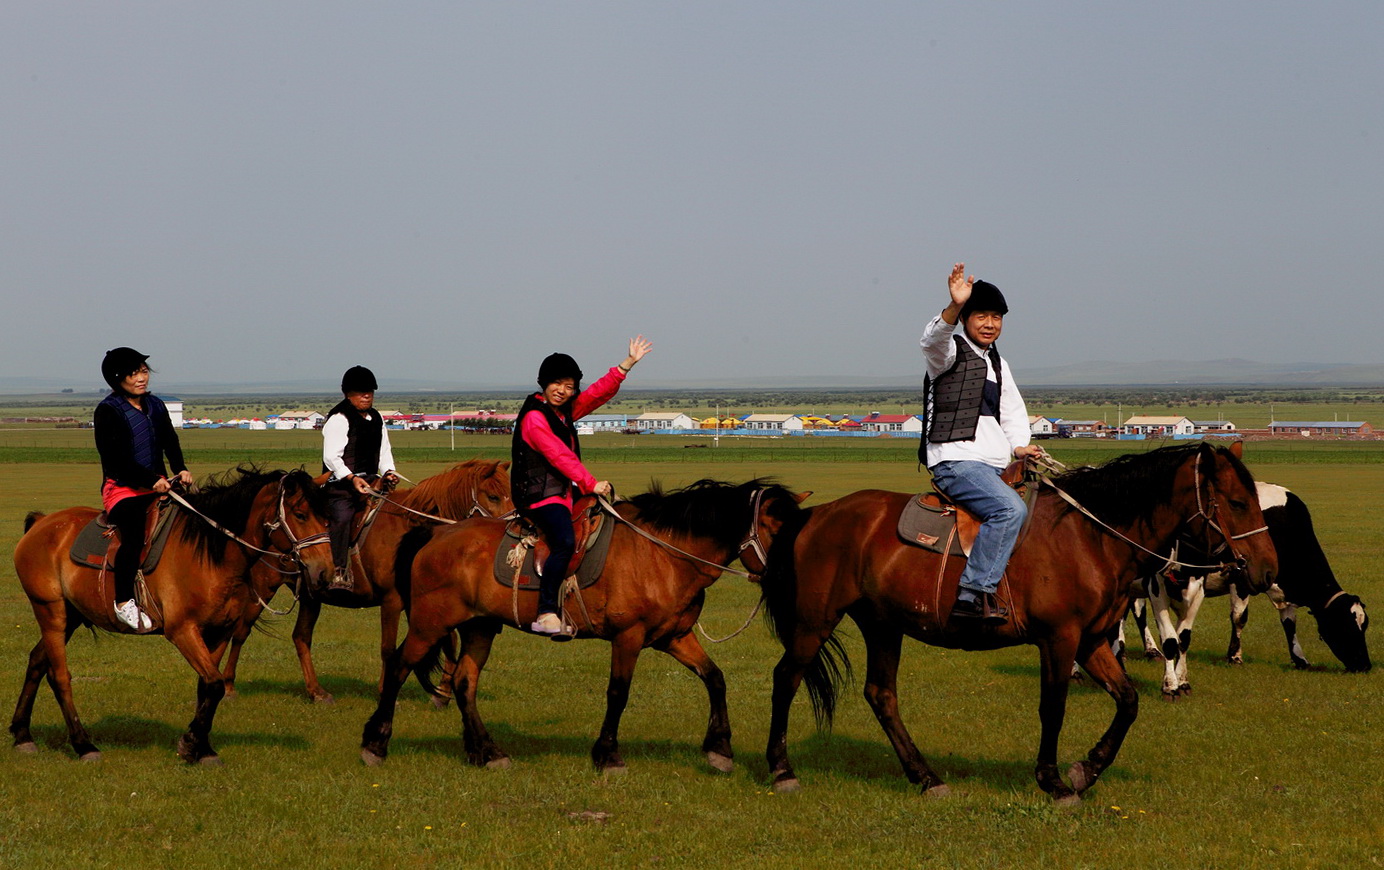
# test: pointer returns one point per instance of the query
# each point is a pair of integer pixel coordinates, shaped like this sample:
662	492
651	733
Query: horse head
1228	521
295	526
492	490
1341	624
771	508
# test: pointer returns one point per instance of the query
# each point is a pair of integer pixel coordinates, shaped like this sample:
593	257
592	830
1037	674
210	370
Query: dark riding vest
961	396
531	477
146	448
363	438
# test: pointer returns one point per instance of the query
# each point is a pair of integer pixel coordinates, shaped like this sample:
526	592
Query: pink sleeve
536	433
598	393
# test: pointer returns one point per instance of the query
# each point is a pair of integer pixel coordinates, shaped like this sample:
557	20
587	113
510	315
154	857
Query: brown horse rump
96	543
593	532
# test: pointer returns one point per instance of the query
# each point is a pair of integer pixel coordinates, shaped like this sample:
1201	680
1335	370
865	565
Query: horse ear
503	466
1237	449
801	497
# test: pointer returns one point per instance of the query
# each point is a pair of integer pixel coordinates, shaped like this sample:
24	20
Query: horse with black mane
198	593
476	487
666	549
1067	585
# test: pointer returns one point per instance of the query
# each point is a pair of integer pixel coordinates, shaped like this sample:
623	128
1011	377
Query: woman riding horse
547	465
133	434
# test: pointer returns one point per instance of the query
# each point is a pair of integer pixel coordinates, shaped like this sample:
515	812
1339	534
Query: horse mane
1130	487
448	494
227	499
706	509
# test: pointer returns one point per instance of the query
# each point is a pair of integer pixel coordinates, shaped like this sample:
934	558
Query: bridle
752	541
1209	514
294	554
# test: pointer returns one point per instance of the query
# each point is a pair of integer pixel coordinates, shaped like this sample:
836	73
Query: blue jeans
977	487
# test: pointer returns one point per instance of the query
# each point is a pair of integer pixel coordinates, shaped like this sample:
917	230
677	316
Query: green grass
1262	765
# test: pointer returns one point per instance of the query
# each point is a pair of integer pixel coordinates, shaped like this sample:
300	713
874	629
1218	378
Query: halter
752	541
294	555
1238	564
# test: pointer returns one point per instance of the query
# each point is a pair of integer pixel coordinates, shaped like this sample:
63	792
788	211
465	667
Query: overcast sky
449	191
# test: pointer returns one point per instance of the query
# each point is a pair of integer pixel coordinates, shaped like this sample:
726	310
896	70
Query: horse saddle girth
97	542
521	541
931	521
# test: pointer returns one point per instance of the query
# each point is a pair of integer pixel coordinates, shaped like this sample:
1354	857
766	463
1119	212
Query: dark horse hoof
92	755
501	763
370	758
615	770
720	763
1081	776
28	748
212	760
1067	801
787	786
942	790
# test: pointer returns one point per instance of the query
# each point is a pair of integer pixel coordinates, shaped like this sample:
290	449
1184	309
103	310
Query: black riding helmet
358	379
984	297
558	366
120	363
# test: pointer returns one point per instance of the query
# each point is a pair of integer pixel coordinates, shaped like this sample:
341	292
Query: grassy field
1263	765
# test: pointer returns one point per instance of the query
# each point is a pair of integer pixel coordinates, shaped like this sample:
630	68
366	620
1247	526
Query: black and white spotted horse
1304	579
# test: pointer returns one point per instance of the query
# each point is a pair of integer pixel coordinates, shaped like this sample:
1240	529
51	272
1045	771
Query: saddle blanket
96	543
926	522
588	572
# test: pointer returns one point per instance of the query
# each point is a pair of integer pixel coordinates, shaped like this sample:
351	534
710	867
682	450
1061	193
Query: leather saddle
97	542
522	549
932	521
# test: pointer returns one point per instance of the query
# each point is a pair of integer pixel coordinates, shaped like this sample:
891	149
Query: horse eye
300	516
1238	505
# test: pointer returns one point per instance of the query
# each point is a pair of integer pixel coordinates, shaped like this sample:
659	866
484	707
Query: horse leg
798	656
1057	655
1287	616
882	647
242	633
374	741
55	632
624	652
1105	669
688	652
39	667
1192	600
1162	607
1239	618
481	750
1140	608
308	612
194	746
390	608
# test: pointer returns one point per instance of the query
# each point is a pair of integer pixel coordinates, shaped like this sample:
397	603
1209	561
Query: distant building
1213	427
1082	429
656	421
1042	427
175	410
772	423
892	423
1158	426
1332	428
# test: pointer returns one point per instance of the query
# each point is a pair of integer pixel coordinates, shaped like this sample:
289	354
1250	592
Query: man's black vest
363	438
958	397
531	477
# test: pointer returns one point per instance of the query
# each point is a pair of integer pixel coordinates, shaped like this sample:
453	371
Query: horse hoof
212	760
501	763
370	758
720	763
1067	801
1080	776
324	698
29	748
787	786
93	755
615	770
231	695
1170	696
942	790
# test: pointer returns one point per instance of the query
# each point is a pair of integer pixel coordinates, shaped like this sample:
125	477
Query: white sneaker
547	623
130	614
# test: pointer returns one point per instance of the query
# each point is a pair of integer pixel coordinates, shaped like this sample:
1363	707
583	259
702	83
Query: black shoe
994	613
967	608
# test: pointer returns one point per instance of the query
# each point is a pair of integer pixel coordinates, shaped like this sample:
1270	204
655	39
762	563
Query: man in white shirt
976	423
356	453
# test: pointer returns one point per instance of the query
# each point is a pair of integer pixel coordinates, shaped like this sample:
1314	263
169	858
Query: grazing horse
1304	578
470	488
666	549
198	593
1067	585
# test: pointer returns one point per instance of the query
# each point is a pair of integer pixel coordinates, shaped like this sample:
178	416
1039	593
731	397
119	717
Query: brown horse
1068	583
476	487
199	592
648	595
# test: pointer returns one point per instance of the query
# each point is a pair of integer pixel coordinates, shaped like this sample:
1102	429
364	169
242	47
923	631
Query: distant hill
1234	372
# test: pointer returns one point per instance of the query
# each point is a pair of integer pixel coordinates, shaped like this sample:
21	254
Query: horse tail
830	668
409	545
33	517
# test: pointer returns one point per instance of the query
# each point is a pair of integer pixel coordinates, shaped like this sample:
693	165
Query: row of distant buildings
905	425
